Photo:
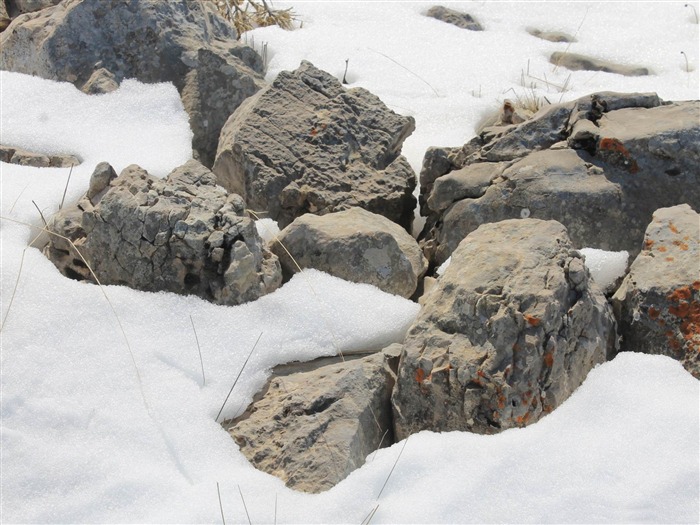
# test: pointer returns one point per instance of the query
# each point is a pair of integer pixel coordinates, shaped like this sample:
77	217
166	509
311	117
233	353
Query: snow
605	267
106	416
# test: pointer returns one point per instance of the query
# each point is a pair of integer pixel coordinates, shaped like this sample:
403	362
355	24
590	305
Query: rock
184	42
511	330
658	304
317	422
450	16
19	7
576	62
305	144
551	36
355	245
23	157
600	165
182	234
101	81
4	16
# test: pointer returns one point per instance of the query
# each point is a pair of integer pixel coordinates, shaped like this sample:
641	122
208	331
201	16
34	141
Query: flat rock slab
317	422
23	157
307	145
511	329
182	234
658	304
456	18
551	36
355	245
576	62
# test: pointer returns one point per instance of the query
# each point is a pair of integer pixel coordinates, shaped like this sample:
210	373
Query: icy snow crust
87	438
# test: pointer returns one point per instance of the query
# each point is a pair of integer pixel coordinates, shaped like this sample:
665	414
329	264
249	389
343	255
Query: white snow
95	430
605	267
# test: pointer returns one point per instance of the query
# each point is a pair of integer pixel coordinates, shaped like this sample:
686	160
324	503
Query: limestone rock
182	234
450	16
305	144
23	157
4	16
600	165
317	422
576	62
180	41
101	81
355	245
19	7
509	332
551	36
658	304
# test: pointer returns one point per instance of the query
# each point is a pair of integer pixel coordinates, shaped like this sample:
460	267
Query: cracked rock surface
508	333
182	234
306	144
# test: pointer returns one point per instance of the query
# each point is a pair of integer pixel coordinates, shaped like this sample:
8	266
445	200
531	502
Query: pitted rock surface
456	18
182	234
355	245
306	144
511	329
185	42
600	165
658	304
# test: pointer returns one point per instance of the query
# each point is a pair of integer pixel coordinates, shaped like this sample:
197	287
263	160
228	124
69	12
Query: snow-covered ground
105	414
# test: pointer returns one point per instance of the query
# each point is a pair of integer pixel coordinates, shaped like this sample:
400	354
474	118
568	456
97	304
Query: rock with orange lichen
510	330
658	304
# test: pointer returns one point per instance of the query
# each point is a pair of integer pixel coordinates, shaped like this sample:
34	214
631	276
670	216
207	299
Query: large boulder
510	331
185	42
355	245
316	422
182	234
600	165
306	144
658	304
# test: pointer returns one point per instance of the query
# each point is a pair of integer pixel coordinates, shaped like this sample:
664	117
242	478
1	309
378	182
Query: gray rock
551	36
576	62
4	16
600	165
511	330
19	7
658	304
450	16
307	145
182	234
37	160
355	245
101	81
180	41
317	422
100	180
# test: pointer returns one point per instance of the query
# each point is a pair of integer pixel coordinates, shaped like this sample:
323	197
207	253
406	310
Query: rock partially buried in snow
184	42
305	144
37	160
317	422
450	16
355	245
576	62
182	234
658	304
551	36
600	165
510	331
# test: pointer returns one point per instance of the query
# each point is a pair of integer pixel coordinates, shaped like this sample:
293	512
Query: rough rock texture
317	422
306	144
101	81
462	20
19	7
600	165
4	16
181	41
510	331
355	245
182	234
658	304
551	36
576	62
37	160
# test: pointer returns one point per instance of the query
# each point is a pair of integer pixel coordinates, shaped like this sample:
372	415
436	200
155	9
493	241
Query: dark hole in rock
191	280
72	274
80	263
673	171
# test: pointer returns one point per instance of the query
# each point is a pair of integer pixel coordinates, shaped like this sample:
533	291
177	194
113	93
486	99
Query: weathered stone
37	160
355	245
185	42
305	144
317	422
101	81
450	16
19	7
607	162
182	234
576	62
4	16
658	304
551	36
511	330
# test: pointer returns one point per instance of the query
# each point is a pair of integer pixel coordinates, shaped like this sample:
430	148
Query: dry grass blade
65	190
17	199
40	214
238	376
369	516
199	349
566	51
275	522
19	274
404	67
392	468
245	507
221	507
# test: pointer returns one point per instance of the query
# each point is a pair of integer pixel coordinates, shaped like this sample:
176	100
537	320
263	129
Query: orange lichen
672	227
696	285
680	294
549	359
670	259
420	375
616	151
662	248
531	320
648	244
653	312
681	310
683	246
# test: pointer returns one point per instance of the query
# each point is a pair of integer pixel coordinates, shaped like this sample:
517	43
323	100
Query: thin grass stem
404	67
65	190
17	199
199	349
221	507
245	507
238	376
